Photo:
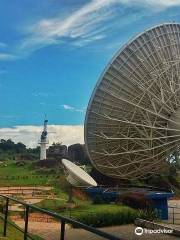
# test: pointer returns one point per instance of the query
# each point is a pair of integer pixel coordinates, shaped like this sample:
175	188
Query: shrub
136	200
78	193
147	214
98	199
63	183
2	206
111	216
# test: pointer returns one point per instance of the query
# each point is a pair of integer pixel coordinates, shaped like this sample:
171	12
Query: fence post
173	215
62	230
5	217
26	222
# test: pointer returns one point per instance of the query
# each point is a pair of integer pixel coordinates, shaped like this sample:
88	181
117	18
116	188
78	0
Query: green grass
13	233
12	175
60	204
106	215
55	205
97	215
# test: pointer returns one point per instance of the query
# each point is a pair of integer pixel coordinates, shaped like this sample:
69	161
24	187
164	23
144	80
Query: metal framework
61	219
133	118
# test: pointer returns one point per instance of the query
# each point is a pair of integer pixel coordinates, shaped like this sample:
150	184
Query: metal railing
63	221
174	215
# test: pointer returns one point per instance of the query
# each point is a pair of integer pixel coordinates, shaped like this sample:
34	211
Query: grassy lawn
12	175
60	206
14	234
97	215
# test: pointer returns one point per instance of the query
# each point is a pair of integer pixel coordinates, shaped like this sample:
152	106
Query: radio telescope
76	176
133	118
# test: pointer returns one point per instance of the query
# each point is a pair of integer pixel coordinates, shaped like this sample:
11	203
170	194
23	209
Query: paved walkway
51	231
174	212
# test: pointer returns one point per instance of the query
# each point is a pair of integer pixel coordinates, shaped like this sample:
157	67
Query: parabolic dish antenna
133	118
76	176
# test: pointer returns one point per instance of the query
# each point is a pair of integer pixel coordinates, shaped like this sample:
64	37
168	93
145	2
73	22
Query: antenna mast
43	141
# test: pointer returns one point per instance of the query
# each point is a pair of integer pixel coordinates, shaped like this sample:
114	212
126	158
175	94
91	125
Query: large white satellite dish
133	118
76	176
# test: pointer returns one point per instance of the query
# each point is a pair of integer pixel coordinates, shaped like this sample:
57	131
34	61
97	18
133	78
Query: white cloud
71	108
159	3
82	24
67	107
149	3
92	22
42	94
7	57
85	24
30	135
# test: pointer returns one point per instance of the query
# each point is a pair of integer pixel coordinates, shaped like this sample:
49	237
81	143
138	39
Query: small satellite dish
76	176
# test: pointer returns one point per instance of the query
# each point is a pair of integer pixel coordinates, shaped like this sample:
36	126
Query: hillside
27	175
19	165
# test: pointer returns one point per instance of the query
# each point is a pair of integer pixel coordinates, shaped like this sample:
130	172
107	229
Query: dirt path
24	190
47	188
51	231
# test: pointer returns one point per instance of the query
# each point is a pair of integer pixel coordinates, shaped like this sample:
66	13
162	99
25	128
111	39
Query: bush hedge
136	200
116	215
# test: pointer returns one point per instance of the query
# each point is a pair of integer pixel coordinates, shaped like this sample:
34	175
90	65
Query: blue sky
52	52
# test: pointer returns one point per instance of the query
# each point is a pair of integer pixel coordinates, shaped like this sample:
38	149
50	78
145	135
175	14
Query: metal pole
26	222
173	215
5	217
62	230
63	220
70	195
